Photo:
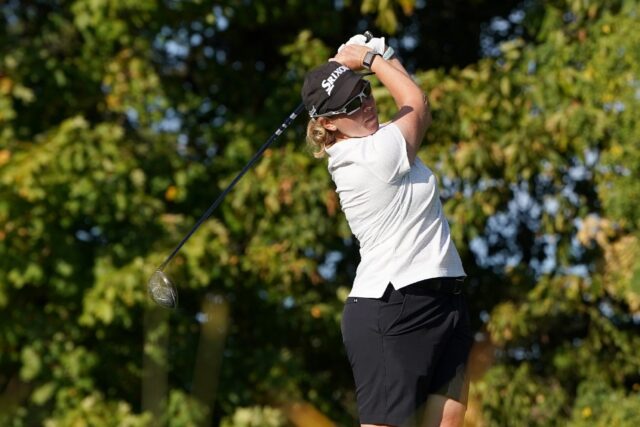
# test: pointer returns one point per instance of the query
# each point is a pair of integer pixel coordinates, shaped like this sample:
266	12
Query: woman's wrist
362	58
369	58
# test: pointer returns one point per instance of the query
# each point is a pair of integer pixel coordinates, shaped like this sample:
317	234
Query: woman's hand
351	56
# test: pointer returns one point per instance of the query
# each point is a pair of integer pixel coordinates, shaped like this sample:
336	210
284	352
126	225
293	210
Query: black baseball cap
328	87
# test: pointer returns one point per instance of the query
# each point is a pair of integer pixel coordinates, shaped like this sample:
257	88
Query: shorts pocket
390	313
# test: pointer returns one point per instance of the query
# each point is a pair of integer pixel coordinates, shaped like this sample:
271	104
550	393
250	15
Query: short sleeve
385	154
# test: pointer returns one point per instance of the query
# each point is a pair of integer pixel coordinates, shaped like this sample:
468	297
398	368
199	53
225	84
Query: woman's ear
328	124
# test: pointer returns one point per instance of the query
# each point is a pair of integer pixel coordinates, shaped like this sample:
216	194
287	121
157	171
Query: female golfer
405	324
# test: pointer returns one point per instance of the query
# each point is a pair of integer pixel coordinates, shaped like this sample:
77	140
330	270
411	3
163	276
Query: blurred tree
121	120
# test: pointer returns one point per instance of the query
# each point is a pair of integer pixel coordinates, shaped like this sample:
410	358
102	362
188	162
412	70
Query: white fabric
394	210
376	44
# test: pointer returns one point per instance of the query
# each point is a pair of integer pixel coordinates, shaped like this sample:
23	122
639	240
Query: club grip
368	35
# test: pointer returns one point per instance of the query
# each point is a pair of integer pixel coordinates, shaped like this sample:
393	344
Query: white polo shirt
394	210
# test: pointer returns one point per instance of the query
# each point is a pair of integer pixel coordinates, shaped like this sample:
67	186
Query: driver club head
162	291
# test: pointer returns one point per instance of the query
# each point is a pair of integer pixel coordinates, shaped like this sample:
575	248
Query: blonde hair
319	138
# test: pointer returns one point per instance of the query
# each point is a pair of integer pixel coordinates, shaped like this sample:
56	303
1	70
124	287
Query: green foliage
183	411
598	405
93	410
517	397
255	417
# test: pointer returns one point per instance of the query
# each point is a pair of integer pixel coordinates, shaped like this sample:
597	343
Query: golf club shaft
215	204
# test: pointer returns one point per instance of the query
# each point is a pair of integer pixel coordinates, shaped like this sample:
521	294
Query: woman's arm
413	116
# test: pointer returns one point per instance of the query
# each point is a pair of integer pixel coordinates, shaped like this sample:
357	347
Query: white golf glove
376	44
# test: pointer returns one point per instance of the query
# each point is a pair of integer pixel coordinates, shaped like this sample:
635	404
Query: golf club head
162	290
160	287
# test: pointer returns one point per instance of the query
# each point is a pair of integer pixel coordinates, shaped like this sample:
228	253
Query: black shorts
404	346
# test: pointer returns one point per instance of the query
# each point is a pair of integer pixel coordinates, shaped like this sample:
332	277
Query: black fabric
327	88
404	346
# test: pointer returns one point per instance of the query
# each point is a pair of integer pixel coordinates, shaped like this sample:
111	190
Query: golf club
161	288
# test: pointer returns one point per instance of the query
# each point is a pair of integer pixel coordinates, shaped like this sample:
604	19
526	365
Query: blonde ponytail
319	138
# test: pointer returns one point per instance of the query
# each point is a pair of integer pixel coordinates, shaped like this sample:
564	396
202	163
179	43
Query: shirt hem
400	282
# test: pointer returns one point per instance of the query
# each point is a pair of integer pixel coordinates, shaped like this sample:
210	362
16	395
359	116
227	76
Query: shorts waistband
446	285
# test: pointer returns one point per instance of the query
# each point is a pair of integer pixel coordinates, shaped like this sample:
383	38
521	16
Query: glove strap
388	53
